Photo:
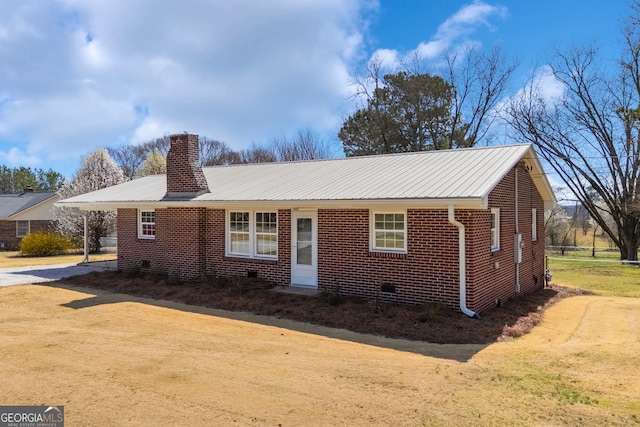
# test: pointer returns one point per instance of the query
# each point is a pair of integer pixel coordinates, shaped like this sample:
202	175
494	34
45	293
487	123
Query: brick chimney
184	173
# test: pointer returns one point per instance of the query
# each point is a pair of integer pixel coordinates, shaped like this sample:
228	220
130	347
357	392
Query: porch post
86	238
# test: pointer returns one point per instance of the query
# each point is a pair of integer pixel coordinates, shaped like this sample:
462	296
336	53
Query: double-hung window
239	233
388	232
534	225
146	224
495	229
22	228
252	234
266	233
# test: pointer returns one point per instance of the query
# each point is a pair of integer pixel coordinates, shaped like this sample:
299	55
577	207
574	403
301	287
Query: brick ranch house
461	227
24	213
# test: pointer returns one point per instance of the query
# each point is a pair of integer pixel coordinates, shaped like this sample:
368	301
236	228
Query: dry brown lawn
14	259
113	359
433	323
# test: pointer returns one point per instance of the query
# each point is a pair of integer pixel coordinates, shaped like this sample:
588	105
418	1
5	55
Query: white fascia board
112	206
465	203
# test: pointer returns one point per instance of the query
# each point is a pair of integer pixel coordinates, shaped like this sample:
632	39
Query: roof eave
538	177
460	203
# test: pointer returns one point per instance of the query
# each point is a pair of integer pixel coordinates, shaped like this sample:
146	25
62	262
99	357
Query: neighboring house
22	214
460	227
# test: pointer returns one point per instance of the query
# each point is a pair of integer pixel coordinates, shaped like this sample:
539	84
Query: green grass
601	275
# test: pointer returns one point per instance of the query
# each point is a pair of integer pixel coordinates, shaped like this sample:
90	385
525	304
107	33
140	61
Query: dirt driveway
114	360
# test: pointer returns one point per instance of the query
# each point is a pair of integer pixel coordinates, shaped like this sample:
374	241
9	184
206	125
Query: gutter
462	264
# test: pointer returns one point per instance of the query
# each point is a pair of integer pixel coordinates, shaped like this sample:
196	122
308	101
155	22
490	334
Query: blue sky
77	74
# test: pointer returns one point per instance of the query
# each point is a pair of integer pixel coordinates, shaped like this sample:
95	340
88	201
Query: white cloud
549	87
82	74
15	158
542	84
387	58
468	18
454	32
58	125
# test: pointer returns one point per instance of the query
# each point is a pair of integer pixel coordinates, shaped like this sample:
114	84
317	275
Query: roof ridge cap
369	156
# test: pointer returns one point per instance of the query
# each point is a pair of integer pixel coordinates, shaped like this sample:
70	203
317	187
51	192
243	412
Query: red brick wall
488	281
8	232
178	248
180	231
8	235
191	240
133	251
278	271
428	272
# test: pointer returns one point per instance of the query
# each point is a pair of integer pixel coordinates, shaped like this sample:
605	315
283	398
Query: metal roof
445	177
11	204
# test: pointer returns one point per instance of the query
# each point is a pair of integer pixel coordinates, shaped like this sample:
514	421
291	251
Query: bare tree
556	225
305	145
150	157
98	171
583	220
257	154
214	152
480	80
591	135
129	158
132	157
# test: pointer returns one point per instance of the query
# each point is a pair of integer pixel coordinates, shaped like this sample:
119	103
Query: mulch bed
430	322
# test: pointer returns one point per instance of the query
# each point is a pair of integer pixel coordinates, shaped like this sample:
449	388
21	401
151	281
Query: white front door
304	248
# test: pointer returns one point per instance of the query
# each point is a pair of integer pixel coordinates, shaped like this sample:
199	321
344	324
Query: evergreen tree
407	112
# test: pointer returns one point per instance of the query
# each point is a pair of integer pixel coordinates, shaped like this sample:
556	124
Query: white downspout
462	264
517	232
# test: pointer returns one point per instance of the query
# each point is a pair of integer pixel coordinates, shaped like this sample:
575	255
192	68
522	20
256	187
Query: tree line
16	180
150	157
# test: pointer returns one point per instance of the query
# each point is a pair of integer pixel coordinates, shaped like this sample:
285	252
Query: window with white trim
495	229
252	234
388	231
146	224
22	228
239	233
534	224
266	233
